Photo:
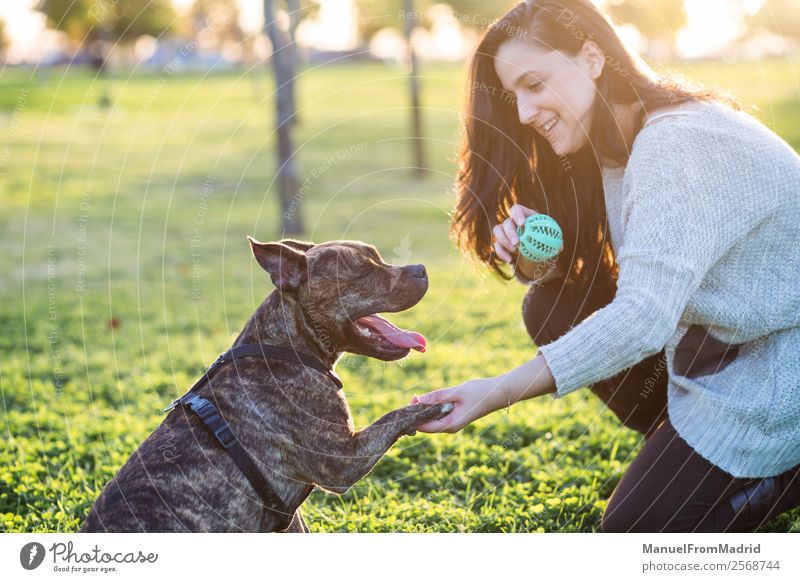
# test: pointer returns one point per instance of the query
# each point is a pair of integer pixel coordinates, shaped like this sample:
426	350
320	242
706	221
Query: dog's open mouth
380	330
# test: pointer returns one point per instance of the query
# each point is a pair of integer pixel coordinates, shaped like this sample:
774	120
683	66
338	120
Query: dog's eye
366	269
363	275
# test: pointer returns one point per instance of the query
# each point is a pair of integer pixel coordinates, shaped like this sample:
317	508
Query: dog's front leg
355	456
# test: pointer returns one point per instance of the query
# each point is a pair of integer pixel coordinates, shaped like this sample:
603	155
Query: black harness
219	427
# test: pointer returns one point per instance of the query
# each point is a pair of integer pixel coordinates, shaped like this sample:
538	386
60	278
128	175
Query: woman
694	334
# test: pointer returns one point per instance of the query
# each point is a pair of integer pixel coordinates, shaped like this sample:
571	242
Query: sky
712	24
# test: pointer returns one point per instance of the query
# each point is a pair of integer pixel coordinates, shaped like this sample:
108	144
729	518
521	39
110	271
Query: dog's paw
444	409
425	413
414	415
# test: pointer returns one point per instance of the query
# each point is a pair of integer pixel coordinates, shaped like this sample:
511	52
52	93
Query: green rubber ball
540	238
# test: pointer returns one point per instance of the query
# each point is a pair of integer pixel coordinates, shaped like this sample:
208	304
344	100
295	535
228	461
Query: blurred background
142	140
148	33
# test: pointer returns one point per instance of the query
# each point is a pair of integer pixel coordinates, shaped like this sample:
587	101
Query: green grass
98	213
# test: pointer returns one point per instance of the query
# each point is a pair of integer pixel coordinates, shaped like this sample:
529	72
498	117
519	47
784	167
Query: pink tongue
399	337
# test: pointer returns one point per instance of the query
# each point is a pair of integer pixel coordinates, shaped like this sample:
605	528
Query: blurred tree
295	15
413	85
283	67
656	19
216	21
133	18
374	15
119	21
98	24
479	13
4	42
779	16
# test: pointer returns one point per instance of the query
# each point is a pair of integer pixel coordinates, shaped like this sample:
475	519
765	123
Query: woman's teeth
551	124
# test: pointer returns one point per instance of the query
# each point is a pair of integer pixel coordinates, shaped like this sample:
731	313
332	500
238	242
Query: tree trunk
283	69
416	115
294	20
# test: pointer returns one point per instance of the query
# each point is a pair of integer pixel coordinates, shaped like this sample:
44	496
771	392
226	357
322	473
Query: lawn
126	271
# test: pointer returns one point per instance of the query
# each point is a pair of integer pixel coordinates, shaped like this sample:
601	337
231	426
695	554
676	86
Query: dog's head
342	286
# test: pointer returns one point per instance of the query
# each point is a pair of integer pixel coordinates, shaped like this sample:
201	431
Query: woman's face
555	92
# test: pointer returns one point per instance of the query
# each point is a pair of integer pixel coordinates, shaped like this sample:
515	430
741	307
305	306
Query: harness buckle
225	436
202	407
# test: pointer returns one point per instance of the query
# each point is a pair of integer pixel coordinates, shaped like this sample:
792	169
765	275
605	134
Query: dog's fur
292	420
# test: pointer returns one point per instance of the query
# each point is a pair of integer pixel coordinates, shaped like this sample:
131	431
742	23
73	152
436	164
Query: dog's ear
286	266
298	245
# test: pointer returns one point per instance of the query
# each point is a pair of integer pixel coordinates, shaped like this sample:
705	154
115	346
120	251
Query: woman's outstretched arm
477	398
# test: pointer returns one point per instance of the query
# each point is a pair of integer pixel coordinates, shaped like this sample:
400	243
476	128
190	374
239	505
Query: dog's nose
417	271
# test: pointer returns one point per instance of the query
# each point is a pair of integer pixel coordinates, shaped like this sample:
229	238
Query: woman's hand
472	400
477	398
505	234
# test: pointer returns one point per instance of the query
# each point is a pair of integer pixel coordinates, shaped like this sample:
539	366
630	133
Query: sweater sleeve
680	215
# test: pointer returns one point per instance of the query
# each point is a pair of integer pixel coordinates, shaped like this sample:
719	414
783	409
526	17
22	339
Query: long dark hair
503	162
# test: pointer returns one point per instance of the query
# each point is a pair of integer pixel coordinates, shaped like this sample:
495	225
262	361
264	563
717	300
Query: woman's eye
510	97
534	86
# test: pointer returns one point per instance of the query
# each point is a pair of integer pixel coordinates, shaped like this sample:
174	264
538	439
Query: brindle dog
294	421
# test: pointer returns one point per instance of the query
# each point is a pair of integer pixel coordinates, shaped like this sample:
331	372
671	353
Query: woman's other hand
505	234
472	400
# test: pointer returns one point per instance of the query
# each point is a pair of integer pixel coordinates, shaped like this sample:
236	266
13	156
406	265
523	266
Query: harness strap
278	353
223	433
225	436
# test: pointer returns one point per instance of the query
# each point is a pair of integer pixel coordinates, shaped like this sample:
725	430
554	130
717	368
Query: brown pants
668	486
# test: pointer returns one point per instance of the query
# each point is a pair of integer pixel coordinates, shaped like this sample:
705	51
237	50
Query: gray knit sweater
705	224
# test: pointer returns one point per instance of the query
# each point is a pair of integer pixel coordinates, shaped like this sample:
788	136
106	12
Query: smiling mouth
550	124
384	333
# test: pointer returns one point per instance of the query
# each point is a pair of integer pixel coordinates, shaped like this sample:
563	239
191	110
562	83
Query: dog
292	421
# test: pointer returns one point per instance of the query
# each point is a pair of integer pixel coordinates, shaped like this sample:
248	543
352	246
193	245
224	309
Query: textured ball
540	238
